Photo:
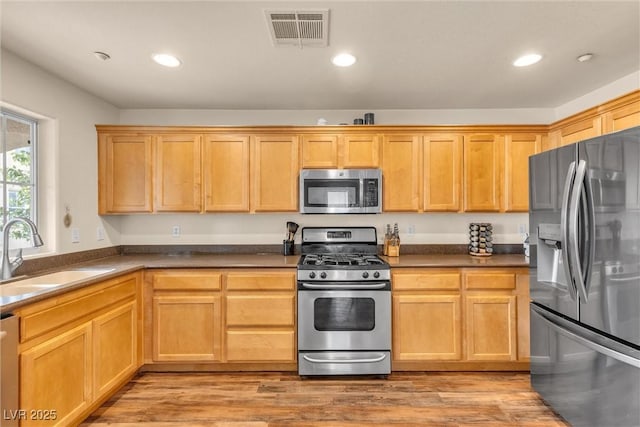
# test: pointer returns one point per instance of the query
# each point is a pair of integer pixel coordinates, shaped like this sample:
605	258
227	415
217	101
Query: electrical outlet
75	235
522	228
99	233
175	231
411	229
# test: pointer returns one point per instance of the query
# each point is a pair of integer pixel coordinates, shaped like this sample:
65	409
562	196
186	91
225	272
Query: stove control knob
621	269
365	275
312	275
376	274
323	275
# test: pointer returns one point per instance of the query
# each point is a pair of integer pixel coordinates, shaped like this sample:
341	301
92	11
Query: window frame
32	122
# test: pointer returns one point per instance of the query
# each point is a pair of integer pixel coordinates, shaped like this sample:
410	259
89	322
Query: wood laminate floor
284	399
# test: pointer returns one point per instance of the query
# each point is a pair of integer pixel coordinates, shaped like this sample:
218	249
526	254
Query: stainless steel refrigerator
584	203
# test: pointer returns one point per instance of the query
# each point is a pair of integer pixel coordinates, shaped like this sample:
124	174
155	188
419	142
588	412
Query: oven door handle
367	360
345	287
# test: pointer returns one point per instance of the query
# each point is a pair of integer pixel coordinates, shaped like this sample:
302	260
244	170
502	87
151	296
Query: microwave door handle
574	230
361	192
564	229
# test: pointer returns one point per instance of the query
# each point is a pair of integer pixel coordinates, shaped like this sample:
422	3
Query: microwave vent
298	28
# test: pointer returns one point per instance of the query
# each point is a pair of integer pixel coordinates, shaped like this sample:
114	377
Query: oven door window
332	193
344	314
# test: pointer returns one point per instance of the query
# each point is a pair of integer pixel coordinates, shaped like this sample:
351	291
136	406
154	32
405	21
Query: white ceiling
411	54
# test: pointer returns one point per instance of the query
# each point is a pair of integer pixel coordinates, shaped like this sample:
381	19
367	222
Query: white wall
68	151
246	229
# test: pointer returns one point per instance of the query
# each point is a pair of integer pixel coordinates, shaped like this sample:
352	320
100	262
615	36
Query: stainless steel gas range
344	303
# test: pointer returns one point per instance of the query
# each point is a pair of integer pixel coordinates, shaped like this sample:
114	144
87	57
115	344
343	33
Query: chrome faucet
8	267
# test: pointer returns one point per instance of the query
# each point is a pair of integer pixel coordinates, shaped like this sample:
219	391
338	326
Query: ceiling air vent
298	28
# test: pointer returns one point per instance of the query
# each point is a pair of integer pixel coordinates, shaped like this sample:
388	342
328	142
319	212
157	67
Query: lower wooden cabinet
453	319
115	348
186	315
491	327
77	349
219	318
260	317
427	327
55	378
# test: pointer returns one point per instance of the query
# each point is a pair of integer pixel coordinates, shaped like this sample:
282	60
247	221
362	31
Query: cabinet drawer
187	281
260	346
421	281
38	323
260	310
490	281
262	281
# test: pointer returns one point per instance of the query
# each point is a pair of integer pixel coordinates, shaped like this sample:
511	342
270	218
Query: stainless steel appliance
332	191
585	279
344	303
9	371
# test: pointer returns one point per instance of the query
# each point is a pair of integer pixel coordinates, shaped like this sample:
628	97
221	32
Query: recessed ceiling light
527	60
343	60
166	59
585	57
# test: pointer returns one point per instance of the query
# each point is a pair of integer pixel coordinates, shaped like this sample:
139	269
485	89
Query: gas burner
342	260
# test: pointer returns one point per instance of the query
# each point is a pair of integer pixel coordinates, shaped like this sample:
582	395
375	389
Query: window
18	173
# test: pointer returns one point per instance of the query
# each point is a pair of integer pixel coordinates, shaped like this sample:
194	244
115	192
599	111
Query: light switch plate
75	235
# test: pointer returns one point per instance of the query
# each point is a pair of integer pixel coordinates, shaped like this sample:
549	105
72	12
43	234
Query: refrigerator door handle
574	231
568	329
564	229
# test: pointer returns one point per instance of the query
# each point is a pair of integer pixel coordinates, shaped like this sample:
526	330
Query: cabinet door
426	327
226	173
401	173
186	328
56	375
580	130
442	172
518	148
623	117
260	327
361	151
320	151
178	178
114	348
483	164
125	173
275	167
491	327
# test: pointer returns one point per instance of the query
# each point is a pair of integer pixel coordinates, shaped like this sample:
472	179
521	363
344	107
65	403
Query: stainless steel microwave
334	191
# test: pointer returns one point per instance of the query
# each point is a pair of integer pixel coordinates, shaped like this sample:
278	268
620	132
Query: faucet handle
17	262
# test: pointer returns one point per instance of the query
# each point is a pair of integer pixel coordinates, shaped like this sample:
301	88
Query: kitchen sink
48	282
13	290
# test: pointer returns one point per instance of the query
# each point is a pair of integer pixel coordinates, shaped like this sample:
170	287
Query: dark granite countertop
122	264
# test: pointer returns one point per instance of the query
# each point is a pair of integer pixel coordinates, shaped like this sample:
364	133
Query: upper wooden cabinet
178	178
360	151
334	151
226	173
401	172
320	151
275	167
622	113
612	116
483	166
442	172
125	173
518	148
